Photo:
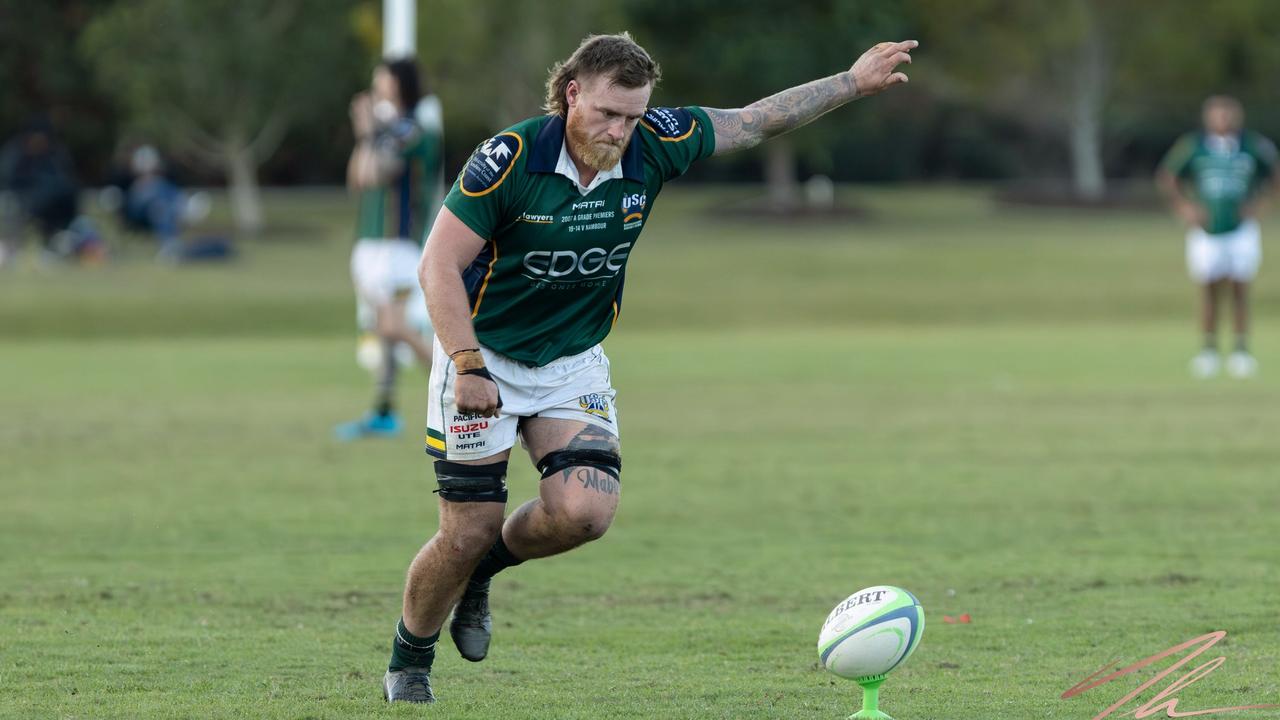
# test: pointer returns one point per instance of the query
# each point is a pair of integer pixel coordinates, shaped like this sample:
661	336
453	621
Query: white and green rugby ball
871	632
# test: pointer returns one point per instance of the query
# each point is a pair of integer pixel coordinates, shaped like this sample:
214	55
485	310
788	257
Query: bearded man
523	273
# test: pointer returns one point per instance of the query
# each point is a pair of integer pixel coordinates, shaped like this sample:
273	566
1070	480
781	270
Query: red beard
597	154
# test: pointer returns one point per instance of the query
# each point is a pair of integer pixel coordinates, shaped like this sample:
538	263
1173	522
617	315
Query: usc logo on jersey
633	210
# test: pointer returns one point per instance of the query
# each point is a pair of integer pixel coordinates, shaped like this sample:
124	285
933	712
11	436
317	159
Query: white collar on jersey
565	167
1222	144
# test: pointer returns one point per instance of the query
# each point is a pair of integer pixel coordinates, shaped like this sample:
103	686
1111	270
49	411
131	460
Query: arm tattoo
783	112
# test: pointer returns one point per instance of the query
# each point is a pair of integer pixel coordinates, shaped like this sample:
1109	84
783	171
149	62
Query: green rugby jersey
1225	173
549	281
405	206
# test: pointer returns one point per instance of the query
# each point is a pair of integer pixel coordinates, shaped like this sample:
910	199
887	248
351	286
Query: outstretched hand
877	68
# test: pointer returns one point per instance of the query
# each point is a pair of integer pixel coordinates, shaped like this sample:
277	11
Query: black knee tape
472	483
604	460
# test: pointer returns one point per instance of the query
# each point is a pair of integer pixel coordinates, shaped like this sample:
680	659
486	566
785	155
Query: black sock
496	560
386	380
409	650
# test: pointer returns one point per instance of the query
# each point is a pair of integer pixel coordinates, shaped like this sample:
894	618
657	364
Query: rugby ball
871	632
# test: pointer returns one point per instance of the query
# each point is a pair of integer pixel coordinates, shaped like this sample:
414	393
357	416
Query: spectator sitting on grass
154	202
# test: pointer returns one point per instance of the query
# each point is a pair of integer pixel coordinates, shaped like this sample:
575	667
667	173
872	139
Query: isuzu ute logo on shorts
542	264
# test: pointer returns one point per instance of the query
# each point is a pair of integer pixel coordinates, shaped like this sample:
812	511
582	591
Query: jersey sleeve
676	138
1177	161
481	195
1264	151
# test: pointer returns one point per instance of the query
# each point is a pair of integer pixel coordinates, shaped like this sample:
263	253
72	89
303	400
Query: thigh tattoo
594	478
593	438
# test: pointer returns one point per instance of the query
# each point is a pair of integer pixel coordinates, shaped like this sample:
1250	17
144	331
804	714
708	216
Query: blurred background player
38	185
395	168
1215	180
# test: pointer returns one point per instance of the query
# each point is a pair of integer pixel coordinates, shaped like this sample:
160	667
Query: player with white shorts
524	273
577	387
1233	255
383	271
394	167
1215	181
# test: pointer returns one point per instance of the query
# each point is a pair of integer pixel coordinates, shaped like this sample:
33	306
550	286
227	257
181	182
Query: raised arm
376	158
359	173
785	111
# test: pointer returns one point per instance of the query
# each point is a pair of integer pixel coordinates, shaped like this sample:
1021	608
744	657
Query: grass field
989	407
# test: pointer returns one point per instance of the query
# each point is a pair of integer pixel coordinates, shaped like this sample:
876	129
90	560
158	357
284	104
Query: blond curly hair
616	57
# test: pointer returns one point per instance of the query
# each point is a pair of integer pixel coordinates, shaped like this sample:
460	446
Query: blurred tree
1049	63
992	92
718	57
42	74
221	81
1074	66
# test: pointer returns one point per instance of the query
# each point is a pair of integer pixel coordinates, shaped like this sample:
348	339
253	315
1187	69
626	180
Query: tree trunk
1084	120
780	174
242	186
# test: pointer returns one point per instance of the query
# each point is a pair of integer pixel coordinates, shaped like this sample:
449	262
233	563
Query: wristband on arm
471	362
468	359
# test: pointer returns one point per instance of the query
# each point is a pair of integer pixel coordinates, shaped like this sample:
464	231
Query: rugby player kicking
523	273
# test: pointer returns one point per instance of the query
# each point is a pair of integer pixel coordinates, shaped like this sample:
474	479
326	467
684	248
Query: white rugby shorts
383	269
576	387
1233	255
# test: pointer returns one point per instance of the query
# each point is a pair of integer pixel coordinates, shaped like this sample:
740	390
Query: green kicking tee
549	280
1225	173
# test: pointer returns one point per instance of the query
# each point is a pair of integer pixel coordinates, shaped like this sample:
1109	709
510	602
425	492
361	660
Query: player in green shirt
395	170
1216	180
524	273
